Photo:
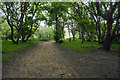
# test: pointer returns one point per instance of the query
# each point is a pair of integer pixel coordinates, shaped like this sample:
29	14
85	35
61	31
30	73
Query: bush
60	41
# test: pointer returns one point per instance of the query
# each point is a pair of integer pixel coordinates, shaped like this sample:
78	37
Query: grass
115	47
4	57
81	47
86	46
10	48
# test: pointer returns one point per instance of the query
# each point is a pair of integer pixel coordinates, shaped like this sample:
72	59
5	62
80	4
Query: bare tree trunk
79	33
103	31
63	29
12	30
57	37
118	31
73	31
69	33
83	35
99	31
23	39
12	35
73	36
108	39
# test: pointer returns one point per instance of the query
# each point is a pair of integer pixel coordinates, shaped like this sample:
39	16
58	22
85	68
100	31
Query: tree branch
93	9
113	7
99	11
104	6
15	19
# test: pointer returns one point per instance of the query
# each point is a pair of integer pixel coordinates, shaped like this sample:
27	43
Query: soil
46	59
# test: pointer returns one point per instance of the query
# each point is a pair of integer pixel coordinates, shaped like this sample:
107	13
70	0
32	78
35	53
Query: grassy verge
115	47
86	46
10	48
5	58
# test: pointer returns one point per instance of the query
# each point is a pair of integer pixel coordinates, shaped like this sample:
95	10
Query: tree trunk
73	34
23	38
83	35
28	36
57	37
73	31
69	33
73	37
89	34
12	30
12	36
63	29
18	37
79	34
103	31
99	31
118	31
108	40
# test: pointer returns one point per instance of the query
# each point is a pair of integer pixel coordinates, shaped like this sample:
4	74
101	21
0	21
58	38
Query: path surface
46	59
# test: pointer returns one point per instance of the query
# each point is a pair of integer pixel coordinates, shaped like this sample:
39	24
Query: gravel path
46	59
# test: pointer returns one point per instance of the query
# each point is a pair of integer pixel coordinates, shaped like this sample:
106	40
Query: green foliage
5	33
44	33
56	8
57	15
85	18
24	18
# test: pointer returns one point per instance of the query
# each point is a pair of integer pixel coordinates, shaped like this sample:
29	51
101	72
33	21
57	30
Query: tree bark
99	31
57	37
108	40
108	16
79	33
12	35
83	35
12	30
103	31
63	29
69	33
73	31
73	36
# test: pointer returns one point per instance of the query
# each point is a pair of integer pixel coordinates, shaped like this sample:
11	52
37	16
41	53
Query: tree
93	13
111	18
56	11
109	12
19	16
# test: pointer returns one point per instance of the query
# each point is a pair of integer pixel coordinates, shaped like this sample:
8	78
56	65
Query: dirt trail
46	59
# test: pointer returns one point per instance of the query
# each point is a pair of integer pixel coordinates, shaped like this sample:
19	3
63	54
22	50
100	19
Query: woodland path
46	59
